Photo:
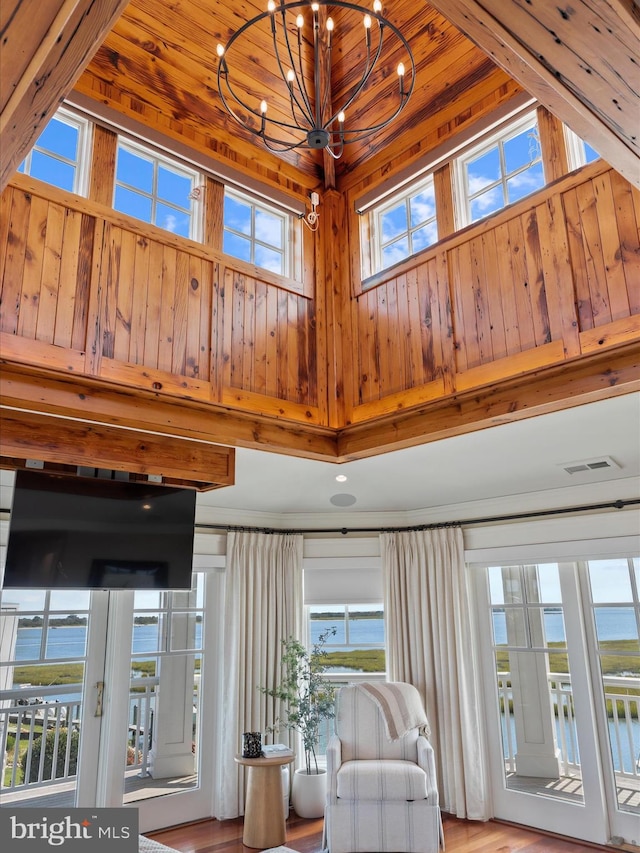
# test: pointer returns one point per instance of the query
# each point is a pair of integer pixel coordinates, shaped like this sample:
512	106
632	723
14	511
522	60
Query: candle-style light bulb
341	118
299	22
271	7
401	69
329	25
290	77
367	22
220	50
377	6
263	107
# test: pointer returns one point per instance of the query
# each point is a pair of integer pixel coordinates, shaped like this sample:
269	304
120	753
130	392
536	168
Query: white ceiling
515	459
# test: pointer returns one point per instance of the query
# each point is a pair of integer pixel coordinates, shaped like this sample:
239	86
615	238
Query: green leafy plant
307	696
48	769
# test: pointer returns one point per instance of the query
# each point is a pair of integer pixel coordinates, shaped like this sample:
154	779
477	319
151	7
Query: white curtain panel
430	645
262	606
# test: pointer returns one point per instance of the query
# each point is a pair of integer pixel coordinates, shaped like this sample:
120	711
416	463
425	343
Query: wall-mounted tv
79	532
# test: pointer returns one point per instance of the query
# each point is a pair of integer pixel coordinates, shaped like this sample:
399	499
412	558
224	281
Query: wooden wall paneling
402	344
506	280
16	209
260	332
578	259
466	333
139	303
166	327
293	350
612	254
479	286
553	144
50	279
443	311
217	332
153	308
521	278
246	340
445	205
494	295
103	165
559	291
282	344
32	273
411	329
213	213
337	385
119	307
594	262
198	319
271	342
86	273
629	231
98	280
41	60
179	339
535	292
384	335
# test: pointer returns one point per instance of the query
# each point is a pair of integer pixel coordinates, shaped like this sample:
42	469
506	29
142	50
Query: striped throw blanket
400	705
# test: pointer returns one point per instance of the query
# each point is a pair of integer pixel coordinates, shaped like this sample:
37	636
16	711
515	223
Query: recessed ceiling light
341	478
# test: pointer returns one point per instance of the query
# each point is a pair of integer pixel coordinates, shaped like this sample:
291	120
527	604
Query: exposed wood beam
535	393
27	435
581	61
583	380
44	51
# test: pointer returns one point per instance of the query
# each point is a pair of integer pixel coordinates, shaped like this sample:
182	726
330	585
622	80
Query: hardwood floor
305	836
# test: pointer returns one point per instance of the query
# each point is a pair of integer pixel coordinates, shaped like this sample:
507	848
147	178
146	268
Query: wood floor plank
305	836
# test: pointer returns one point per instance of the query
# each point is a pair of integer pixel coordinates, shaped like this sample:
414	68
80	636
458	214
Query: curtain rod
619	504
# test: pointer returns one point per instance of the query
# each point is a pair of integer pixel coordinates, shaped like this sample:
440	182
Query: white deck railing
24	722
28	714
623	718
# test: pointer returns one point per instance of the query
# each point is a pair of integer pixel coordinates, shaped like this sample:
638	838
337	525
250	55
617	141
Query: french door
109	683
561	663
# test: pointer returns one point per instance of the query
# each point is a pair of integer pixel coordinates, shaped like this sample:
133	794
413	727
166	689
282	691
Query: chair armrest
334	761
427	760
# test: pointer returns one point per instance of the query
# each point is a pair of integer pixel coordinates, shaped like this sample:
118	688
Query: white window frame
576	153
335	645
83	154
258	203
506	132
374	224
158	158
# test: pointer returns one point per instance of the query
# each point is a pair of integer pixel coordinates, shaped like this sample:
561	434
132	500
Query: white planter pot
309	793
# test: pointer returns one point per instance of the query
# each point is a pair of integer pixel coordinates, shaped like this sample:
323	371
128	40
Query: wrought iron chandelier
302	36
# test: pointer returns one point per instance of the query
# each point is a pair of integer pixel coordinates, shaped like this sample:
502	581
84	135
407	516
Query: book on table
270	750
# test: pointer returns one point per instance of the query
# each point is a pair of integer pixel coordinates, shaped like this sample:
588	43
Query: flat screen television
90	532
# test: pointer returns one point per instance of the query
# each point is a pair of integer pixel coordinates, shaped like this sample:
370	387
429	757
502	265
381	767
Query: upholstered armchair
382	795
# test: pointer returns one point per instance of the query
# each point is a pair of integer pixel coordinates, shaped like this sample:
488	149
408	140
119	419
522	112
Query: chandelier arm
305	106
242	121
369	66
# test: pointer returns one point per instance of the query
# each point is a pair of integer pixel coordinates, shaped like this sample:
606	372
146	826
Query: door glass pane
43	647
616	616
164	700
533	682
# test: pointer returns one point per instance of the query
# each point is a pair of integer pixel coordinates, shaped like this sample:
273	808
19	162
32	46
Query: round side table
264	818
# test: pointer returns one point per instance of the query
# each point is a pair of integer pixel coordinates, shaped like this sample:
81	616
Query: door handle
99	697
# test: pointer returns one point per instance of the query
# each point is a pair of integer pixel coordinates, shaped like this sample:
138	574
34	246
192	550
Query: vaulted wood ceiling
581	60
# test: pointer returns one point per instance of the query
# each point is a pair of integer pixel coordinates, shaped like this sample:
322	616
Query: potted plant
309	700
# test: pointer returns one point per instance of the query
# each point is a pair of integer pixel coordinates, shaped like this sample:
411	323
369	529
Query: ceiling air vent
602	463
